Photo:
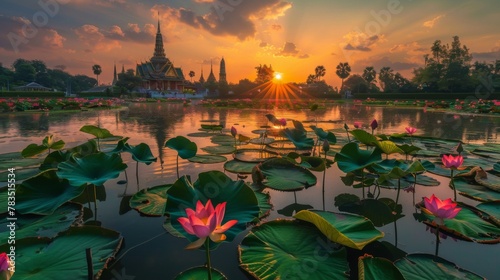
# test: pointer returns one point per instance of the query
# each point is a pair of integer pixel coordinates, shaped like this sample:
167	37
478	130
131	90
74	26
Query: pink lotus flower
441	209
4	262
357	124
374	124
283	121
453	162
410	130
206	222
233	131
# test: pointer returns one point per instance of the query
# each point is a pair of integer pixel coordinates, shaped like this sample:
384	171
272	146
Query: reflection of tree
33	124
155	119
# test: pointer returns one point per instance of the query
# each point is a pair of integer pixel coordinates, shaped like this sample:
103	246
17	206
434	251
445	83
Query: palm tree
386	77
343	71
369	74
320	72
310	79
191	75
97	71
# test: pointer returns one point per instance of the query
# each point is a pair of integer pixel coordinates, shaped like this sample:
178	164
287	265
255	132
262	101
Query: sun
278	76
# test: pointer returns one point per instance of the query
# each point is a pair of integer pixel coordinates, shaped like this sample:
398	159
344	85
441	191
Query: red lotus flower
283	121
374	124
6	267
410	130
233	131
453	162
205	222
357	124
441	209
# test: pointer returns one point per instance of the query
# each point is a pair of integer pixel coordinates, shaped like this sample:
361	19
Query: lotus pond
318	193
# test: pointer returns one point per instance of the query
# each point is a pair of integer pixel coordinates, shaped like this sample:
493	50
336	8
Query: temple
159	73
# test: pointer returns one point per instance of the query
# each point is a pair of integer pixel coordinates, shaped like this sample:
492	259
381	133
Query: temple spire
115	78
158	23
159	50
222	71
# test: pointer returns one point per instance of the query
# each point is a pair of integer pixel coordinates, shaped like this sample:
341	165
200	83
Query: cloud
290	49
22	35
358	41
95	39
234	18
432	22
487	56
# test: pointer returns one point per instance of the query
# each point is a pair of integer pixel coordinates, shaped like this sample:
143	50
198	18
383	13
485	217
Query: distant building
159	73
222	71
33	87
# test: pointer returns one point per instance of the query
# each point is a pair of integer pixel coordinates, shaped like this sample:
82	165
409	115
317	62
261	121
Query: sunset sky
294	36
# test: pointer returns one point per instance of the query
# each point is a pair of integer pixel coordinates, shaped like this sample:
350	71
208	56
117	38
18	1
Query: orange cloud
432	22
359	41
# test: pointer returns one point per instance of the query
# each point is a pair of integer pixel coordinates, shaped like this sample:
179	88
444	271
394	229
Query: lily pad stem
177	165
453	186
437	240
209	264
324	175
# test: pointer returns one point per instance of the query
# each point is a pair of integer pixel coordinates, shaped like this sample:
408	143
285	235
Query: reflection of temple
159	73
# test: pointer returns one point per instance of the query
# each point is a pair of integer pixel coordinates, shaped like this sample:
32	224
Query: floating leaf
375	268
242	204
284	249
151	201
351	158
388	147
293	208
409	149
207	159
43	226
21	174
253	155
64	256
44	193
48	143
282	175
198	273
475	191
430	267
347	229
324	135
92	169
237	166
184	147
219	150
422	180
379	211
364	137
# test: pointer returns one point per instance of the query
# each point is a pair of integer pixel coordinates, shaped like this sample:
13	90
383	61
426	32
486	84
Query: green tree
128	80
386	79
343	71
311	79
96	68
356	84
264	73
320	72
369	74
24	73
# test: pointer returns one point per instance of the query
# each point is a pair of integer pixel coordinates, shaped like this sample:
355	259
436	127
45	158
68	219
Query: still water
148	252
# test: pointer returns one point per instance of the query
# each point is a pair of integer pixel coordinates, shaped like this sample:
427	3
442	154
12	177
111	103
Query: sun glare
278	76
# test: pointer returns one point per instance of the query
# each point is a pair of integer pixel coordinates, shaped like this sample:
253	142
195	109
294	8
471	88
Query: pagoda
159	73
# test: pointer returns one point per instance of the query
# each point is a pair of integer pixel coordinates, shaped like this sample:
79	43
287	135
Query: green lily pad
201	134
44	258
293	208
409	149
379	211
87	148
496	166
299	138
350	230
388	147
98	132
492	209
253	155
324	135
430	267
10	156
21	174
200	273
241	167
364	137
44	193
43	226
212	127
284	249
469	225
475	191
224	140
141	153
206	159
20	163
282	175
375	268
48	143
219	150
427	153
92	169
184	147
265	206
242	204
151	201
422	180
261	141
351	158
